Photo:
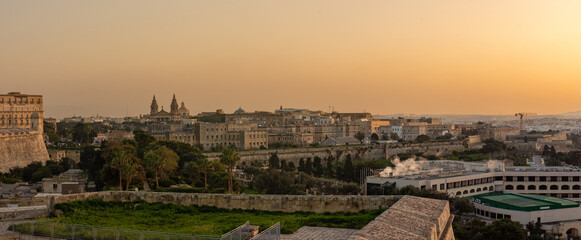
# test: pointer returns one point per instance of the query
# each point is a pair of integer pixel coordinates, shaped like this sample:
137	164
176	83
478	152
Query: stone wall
434	148
367	152
19	213
18	150
282	203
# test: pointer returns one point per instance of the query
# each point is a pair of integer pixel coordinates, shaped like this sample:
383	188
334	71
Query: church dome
183	107
239	111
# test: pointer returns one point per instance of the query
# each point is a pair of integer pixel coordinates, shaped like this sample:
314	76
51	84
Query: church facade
176	113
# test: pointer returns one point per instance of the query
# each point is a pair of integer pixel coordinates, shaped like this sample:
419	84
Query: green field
197	220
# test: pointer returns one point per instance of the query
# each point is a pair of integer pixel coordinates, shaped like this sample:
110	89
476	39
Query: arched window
543	187
458	193
554	187
509	187
485	189
471	190
576	187
532	187
478	190
565	187
491	188
520	187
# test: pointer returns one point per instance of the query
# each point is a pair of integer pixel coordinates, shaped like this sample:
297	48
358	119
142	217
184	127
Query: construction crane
522	115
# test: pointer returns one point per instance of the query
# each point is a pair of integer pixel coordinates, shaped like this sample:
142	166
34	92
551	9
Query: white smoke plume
495	165
401	168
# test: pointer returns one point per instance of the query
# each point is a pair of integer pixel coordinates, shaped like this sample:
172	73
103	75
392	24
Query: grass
197	220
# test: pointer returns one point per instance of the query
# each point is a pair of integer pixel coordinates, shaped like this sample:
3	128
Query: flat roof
523	202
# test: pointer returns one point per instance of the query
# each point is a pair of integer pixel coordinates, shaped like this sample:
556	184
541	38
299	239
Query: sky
385	57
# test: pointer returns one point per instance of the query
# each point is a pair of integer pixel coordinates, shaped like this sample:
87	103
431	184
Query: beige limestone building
21	111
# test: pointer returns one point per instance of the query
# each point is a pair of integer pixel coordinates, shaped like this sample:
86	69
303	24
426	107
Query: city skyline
447	57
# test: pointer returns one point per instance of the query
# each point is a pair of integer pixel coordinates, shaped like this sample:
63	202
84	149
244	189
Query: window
520	187
575	179
543	187
54	186
509	179
565	187
542	179
565	179
478	190
554	187
532	187
509	187
520	179
554	179
531	179
576	187
435	187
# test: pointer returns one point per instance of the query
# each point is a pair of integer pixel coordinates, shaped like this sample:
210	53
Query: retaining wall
282	203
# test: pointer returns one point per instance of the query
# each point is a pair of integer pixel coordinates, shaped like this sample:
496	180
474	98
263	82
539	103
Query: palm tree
162	160
131	170
118	163
229	158
205	165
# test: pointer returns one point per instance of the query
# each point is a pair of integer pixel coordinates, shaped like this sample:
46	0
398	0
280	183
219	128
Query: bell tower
154	106
174	106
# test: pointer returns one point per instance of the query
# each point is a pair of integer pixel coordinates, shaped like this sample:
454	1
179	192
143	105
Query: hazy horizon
421	57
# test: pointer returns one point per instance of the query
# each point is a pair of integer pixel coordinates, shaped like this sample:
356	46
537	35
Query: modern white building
557	215
472	178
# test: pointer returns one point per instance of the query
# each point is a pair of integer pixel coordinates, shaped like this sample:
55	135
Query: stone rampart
366	152
281	203
18	150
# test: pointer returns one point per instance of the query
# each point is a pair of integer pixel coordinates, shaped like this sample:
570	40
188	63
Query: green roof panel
523	202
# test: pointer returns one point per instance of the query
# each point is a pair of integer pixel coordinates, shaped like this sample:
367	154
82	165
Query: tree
504	229
273	161
360	136
374	137
348	169
317	167
161	160
301	165
329	169
229	158
394	136
463	205
309	166
83	133
144	141
205	165
422	138
121	162
384	136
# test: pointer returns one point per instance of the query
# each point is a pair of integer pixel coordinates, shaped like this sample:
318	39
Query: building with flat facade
557	215
472	178
21	111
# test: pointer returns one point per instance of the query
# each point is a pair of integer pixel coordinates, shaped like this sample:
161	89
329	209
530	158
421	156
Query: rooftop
523	202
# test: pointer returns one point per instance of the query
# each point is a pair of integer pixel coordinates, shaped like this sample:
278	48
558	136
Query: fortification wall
18	150
282	203
427	148
367	152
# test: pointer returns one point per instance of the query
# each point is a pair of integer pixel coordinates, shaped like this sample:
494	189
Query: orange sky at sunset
462	57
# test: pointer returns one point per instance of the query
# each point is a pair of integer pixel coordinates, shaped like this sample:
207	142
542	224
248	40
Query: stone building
21	111
21	130
411	218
